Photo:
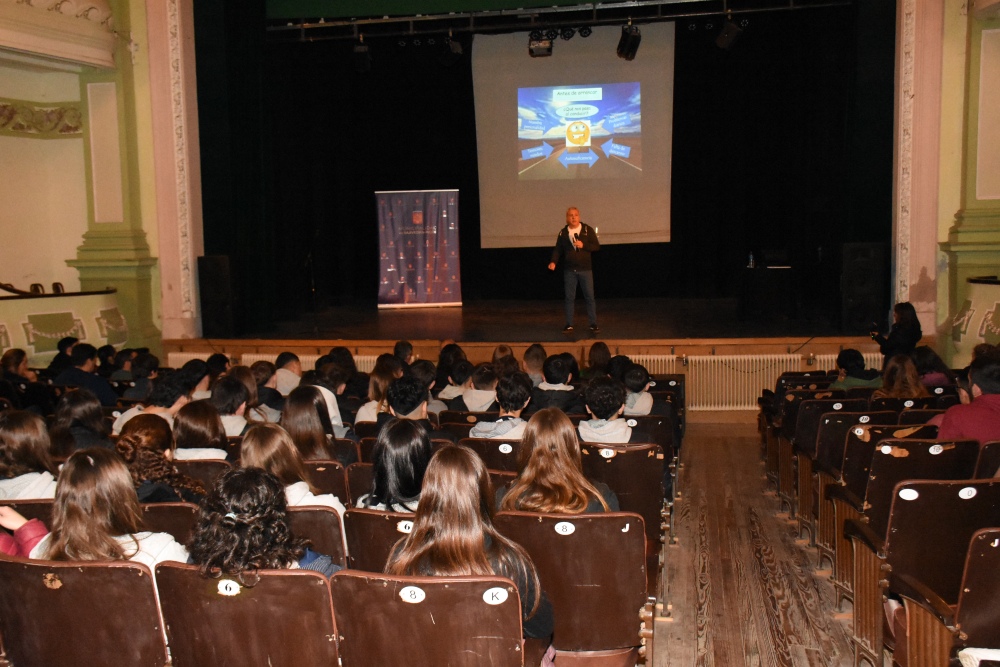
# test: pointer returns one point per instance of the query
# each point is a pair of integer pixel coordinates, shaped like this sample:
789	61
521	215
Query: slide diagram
579	132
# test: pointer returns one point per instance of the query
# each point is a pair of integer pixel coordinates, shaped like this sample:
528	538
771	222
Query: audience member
26	468
403	350
147	447
199	432
506	365
900	380
513	396
243	528
453	535
533	361
407	399
25	534
230	397
62	360
145	368
424	371
15	367
617	366
387	368
904	334
502	352
458	380
399	460
218	364
605	399
449	355
96	516
256	412
931	368
196	379
980	419
853	373
266	379
356	382
550	472
288	371
556	391
597	360
170	394
78	424
106	361
326	384
481	396
638	400
83	361
122	371
306	418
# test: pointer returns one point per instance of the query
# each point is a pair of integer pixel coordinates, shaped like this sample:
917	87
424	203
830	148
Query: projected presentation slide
577	132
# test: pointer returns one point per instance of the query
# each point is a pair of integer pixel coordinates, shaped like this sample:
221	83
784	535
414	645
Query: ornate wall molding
177	114
904	148
42	121
97	12
81	31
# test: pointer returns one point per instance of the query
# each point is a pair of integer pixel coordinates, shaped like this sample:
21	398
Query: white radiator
656	364
308	361
365	362
828	362
178	359
733	382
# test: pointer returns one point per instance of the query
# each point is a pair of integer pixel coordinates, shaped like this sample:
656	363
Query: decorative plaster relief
38	120
177	109
93	11
904	155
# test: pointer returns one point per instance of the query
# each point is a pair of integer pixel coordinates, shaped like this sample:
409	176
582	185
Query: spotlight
539	48
730	33
567	33
586	31
551	34
629	42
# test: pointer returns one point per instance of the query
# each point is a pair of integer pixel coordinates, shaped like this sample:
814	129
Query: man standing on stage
573	247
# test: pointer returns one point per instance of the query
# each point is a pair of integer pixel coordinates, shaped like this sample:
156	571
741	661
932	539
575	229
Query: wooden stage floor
542	321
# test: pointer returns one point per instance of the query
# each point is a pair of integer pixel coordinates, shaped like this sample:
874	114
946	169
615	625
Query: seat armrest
908	587
844	494
857	530
819	466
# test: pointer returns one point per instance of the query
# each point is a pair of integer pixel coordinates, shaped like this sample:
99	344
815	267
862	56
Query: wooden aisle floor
743	591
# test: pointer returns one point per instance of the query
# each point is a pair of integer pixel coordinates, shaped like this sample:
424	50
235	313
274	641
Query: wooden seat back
464	417
635	474
286	616
371	535
860	447
861	392
366	429
675	382
177	519
205	471
234	445
988	464
832	432
427	621
359	482
457	430
978	614
810	414
657	429
593	569
321	526
343	450
791	401
895	461
496	453
328	477
901	404
79	614
918	416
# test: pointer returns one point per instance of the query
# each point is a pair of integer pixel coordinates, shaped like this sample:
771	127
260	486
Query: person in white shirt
169	395
230	396
289	372
26	469
199	433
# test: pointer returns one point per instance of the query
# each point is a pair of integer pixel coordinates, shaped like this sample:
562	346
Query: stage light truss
558	19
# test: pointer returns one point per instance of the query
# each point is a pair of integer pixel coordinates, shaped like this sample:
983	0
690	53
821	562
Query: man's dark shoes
595	328
568	328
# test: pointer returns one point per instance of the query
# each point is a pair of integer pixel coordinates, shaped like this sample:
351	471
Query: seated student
62	360
147	447
243	528
980	419
25	534
266	379
199	433
931	368
852	372
533	361
639	401
459	379
403	350
482	395
83	362
79	424
306	418
513	396
605	399
556	391
170	394
230	398
387	368
900	379
218	364
504	362
550	472
399	460
96	516
597	360
122	371
269	446
407	399
14	363
255	412
424	371
356	383
328	385
26	468
572	364
453	535
288	371
449	355
195	377
145	369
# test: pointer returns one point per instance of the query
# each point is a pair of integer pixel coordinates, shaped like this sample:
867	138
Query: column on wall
973	245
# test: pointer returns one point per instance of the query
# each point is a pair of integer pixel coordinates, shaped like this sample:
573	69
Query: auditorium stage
542	321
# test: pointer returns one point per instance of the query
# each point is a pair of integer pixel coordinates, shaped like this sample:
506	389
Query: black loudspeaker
216	285
864	287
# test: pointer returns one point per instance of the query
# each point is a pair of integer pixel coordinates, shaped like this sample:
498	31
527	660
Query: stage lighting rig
567	33
540	47
629	42
586	31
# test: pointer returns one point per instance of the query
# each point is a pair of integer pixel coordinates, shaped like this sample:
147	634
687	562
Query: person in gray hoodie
482	395
605	400
513	395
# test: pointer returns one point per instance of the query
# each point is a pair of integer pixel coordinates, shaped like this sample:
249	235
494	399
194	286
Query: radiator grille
733	382
828	362
365	362
656	364
308	361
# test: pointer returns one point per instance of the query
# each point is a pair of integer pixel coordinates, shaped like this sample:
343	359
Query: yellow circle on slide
578	134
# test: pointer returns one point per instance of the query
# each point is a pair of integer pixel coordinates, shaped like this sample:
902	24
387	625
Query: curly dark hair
243	526
143	441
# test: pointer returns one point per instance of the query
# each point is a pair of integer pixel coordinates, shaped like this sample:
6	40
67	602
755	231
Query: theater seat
371	535
205	471
321	526
328	477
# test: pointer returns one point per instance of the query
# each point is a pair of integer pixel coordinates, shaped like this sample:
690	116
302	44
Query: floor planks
741	589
